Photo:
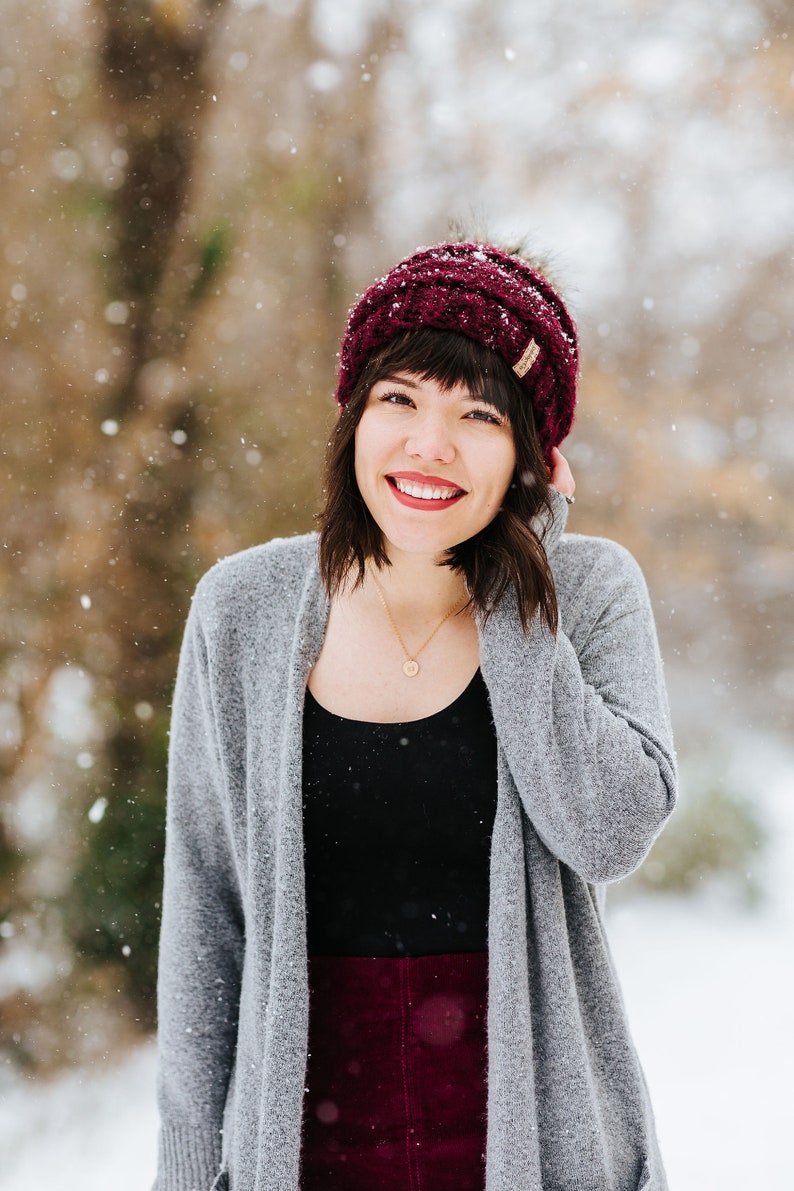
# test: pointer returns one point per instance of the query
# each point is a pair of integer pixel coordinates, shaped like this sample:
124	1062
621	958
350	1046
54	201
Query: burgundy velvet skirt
396	1081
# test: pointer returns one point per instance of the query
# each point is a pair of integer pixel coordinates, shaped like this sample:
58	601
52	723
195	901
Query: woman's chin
399	539
432	551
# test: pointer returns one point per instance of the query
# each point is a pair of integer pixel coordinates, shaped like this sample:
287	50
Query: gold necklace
410	665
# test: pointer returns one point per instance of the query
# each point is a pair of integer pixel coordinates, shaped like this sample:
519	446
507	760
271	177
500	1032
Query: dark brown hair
508	550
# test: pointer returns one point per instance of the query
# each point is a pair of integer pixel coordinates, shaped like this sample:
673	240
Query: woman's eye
395	398
484	415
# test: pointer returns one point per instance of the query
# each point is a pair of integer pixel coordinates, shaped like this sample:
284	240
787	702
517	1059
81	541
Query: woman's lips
424	492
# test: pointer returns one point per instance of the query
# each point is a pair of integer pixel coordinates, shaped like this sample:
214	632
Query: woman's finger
561	475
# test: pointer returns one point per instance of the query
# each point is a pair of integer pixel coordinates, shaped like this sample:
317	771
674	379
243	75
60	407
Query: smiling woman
407	752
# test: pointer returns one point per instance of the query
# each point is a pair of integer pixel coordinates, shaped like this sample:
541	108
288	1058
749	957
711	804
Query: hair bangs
449	358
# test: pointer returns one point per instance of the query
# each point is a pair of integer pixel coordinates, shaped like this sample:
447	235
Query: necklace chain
410	665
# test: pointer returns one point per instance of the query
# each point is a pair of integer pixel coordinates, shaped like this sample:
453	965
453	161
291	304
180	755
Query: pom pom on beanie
496	299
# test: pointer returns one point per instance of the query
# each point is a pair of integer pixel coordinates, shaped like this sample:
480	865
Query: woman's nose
430	439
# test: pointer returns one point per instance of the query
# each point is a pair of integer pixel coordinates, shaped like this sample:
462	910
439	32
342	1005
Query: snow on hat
496	299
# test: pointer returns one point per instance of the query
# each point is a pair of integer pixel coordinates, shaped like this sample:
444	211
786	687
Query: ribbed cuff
189	1158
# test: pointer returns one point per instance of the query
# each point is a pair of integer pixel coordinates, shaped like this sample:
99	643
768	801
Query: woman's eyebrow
400	378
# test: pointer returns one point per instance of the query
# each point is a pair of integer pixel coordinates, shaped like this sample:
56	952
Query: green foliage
85	202
717	834
115	902
10	864
213	253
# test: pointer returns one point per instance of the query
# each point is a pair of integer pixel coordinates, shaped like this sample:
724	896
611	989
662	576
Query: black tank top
397	828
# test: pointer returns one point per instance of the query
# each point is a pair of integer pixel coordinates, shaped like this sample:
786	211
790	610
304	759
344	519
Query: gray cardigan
586	779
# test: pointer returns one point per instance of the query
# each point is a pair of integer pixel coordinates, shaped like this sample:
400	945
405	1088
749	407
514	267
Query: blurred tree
117	524
153	90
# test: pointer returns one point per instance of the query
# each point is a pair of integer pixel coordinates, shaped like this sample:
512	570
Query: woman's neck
416	583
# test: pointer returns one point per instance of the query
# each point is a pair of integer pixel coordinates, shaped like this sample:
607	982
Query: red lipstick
418	502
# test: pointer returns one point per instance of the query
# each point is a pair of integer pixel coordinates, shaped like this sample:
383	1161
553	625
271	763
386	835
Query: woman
406	757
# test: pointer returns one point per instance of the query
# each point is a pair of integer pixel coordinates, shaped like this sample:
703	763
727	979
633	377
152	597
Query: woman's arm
586	735
201	941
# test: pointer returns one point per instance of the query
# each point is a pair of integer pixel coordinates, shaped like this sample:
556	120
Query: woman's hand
561	476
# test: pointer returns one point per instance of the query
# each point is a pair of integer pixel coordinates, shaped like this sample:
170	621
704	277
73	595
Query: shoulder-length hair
508	551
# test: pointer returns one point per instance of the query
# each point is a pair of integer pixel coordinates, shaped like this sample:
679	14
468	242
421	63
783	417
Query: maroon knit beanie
496	299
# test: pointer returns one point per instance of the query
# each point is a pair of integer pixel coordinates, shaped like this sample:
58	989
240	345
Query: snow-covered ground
709	992
709	998
92	1130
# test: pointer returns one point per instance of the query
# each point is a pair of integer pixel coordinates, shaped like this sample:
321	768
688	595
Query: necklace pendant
410	668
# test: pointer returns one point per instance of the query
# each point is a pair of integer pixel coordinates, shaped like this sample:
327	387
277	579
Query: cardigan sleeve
586	731
201	942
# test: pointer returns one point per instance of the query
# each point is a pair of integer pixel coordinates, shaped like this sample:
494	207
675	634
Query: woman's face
432	465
